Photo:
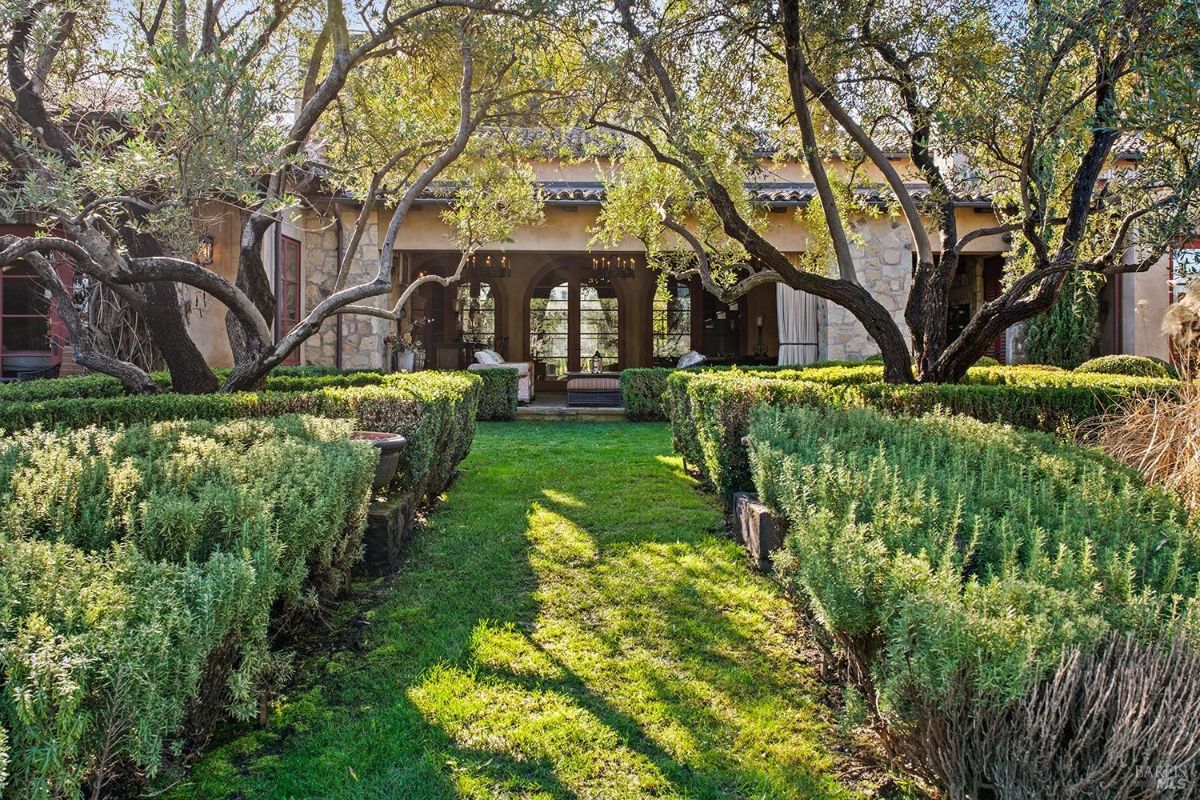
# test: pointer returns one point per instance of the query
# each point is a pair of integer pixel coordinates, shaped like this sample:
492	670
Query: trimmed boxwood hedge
138	607
709	410
1139	366
498	396
436	411
642	392
643	389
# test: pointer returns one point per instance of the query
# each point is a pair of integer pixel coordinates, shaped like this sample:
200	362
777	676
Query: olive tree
1078	120
118	123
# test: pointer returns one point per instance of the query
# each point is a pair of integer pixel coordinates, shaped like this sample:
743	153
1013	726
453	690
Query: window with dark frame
25	324
476	307
671	319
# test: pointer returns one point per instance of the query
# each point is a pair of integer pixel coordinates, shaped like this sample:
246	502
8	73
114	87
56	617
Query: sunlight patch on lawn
503	648
538	727
562	499
558	543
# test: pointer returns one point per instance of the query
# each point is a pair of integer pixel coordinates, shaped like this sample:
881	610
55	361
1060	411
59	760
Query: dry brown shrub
1158	435
1115	724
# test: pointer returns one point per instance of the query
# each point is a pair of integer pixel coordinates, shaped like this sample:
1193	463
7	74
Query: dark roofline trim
770	195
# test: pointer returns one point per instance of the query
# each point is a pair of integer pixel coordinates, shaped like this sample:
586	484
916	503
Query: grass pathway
570	624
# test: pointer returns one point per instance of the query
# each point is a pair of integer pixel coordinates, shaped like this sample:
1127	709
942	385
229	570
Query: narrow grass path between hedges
569	624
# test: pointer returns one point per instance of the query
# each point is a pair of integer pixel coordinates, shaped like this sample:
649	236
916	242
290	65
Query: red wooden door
288	297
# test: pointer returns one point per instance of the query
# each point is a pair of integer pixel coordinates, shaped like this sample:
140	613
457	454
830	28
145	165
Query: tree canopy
117	123
1076	121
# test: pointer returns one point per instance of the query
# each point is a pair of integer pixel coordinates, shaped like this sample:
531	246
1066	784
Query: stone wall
883	258
362	336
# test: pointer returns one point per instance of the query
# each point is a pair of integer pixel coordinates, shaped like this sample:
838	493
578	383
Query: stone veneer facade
883	258
362	336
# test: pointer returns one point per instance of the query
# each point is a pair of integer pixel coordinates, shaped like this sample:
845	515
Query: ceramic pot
389	446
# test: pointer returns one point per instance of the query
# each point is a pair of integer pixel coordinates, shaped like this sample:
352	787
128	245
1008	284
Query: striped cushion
598	383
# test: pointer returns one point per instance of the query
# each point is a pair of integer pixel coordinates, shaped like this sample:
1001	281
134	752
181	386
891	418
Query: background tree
117	125
1064	335
1078	120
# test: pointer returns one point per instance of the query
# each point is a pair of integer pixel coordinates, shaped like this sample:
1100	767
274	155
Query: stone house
552	298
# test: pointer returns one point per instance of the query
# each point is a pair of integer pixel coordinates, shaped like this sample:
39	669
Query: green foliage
435	411
709	409
954	560
281	379
643	390
642	393
1137	366
1064	335
141	570
987	361
498	394
56	388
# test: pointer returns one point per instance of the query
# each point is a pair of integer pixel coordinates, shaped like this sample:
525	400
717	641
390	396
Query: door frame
281	281
574	266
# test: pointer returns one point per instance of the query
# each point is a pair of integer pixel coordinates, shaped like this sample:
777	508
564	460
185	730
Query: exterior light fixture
487	265
613	267
204	250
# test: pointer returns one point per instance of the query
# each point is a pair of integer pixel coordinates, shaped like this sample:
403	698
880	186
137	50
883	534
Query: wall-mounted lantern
204	250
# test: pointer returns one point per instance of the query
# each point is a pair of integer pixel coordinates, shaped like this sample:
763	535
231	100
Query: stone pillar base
759	530
389	523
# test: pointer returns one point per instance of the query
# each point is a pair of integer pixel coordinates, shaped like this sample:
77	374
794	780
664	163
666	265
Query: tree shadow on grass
677	670
565	626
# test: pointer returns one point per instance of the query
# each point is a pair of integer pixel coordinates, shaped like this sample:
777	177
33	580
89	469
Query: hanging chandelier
617	266
488	265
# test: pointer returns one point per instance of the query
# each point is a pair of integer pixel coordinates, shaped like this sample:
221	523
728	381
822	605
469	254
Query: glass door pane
549	337
599	326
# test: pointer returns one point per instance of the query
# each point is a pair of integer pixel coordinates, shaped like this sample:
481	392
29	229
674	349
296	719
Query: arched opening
573	316
454	322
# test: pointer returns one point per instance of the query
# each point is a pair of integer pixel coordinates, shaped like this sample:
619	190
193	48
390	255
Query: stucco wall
1146	298
206	316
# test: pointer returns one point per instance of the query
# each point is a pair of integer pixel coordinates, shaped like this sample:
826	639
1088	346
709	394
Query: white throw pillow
489	357
690	359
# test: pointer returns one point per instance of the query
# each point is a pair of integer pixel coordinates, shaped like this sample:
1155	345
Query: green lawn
570	624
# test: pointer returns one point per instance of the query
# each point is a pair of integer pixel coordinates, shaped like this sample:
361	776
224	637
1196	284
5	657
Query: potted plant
406	350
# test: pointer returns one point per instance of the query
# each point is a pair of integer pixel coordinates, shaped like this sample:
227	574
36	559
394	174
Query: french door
573	316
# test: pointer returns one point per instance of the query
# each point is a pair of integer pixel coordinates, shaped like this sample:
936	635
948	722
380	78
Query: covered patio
571	312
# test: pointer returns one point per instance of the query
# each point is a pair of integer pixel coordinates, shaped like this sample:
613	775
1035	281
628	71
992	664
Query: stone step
572	413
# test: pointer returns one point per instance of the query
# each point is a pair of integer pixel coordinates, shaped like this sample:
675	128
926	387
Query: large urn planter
404	362
389	446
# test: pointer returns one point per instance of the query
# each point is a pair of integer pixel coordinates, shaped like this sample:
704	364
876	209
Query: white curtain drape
797	325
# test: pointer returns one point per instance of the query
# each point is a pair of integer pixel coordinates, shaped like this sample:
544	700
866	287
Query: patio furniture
34	374
490	359
593	389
